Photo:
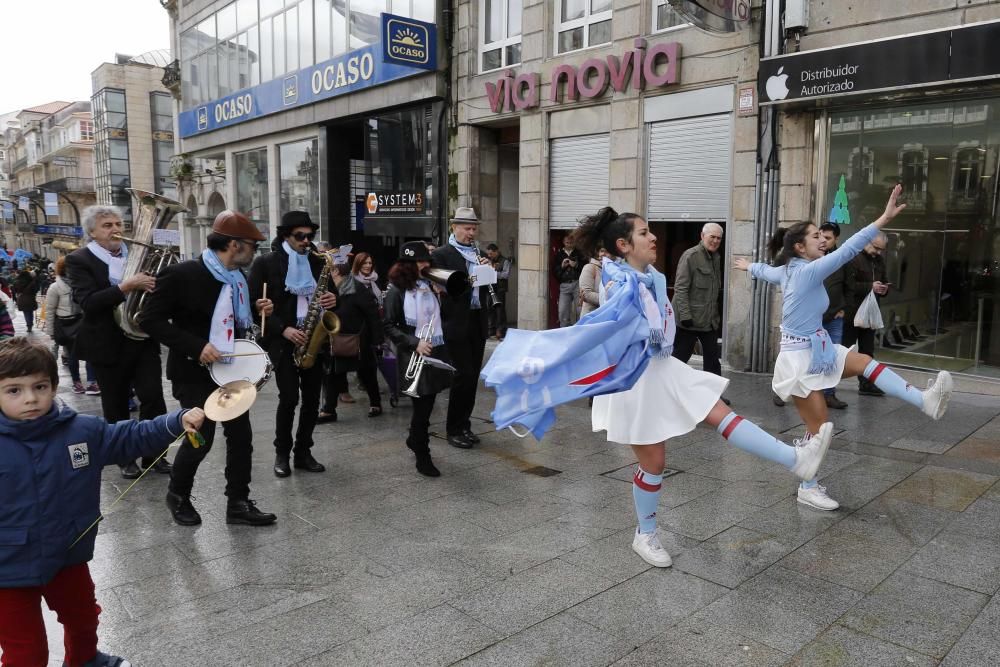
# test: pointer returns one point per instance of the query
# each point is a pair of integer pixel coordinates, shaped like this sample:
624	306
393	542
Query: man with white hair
697	300
863	274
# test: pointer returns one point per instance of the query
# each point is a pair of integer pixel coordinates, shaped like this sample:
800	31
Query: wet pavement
519	554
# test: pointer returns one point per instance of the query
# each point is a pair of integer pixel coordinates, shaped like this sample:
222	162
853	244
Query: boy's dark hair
19	357
831	227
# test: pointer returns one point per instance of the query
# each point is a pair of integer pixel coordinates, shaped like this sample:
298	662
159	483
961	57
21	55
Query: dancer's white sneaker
648	546
938	395
808	458
816	497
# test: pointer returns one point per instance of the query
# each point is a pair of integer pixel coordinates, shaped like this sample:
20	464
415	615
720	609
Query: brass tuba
154	212
319	325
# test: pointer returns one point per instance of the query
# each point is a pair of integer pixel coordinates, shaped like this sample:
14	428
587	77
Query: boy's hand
193	419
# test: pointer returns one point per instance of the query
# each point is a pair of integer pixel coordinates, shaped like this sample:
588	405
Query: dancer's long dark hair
602	230
782	245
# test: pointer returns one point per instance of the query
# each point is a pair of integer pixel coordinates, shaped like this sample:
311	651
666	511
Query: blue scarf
824	352
235	279
471	261
656	283
299	279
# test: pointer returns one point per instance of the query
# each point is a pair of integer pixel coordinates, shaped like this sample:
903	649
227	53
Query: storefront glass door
942	254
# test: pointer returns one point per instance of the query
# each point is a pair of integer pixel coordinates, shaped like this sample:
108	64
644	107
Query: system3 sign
953	55
408	48
394	203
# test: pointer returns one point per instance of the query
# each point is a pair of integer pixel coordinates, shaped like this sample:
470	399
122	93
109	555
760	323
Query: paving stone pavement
496	564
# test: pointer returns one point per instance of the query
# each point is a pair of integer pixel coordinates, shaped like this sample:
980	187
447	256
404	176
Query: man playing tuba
290	272
95	275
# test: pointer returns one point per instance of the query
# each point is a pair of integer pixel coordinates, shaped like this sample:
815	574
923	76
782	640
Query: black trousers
498	317
467	357
291	380
335	382
239	446
420	421
138	367
710	354
865	338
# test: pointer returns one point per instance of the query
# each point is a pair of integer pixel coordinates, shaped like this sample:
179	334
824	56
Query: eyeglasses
303	236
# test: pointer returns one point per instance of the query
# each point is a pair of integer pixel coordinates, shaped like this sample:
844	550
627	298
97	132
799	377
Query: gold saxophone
319	325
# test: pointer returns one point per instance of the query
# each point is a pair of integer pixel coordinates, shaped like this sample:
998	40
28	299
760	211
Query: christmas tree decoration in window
840	213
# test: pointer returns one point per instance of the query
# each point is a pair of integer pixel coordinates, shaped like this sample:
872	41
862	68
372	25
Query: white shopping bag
869	316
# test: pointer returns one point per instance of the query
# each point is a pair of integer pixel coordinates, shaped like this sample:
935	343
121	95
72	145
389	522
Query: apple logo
776	87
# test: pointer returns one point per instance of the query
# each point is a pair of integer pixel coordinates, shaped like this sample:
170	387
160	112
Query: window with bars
581	24
499	34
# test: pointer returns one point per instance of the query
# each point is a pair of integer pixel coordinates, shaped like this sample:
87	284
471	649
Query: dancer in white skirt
809	362
670	398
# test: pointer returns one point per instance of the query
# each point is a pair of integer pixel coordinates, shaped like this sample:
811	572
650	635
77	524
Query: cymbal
230	400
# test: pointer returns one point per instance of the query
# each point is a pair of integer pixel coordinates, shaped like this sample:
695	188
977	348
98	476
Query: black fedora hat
294	219
414	251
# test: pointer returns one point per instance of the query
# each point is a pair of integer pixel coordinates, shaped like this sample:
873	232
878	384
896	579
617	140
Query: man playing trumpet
95	275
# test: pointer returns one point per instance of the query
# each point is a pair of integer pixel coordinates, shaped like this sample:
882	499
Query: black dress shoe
326	417
182	510
105	660
471	437
460	441
245	512
161	467
131	471
870	390
308	463
777	400
834	403
281	467
725	400
425	466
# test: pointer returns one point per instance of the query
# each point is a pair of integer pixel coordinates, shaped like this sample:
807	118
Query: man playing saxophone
290	272
96	276
413	324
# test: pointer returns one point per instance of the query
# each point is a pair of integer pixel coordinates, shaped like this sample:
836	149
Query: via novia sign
657	65
406	47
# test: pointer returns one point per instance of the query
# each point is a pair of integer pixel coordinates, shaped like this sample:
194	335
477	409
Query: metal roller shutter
578	178
689	165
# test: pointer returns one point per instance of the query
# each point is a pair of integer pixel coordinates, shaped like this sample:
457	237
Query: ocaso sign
657	65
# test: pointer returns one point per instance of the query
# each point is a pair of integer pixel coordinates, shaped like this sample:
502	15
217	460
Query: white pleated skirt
669	399
792	376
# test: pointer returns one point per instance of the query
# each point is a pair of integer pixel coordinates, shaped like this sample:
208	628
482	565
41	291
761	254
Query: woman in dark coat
358	313
26	289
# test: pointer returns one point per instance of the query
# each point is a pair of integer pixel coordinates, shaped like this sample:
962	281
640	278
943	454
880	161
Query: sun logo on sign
408	37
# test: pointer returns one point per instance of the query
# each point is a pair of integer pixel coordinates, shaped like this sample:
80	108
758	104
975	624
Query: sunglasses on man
304	236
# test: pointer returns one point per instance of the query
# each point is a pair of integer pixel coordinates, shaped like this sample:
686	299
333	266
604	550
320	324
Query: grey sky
50	47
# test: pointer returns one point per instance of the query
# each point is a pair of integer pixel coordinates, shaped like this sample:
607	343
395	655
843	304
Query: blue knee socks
751	438
892	384
646	489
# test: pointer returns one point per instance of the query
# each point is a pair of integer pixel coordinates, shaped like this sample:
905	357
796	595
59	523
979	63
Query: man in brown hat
200	307
290	272
95	275
464	321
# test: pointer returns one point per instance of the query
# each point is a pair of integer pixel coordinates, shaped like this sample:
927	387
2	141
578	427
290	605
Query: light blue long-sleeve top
804	296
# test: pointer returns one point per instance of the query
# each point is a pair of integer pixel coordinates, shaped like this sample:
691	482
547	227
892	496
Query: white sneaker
648	546
808	458
937	395
816	497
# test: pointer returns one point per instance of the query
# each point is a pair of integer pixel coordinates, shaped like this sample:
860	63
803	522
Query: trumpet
416	365
495	301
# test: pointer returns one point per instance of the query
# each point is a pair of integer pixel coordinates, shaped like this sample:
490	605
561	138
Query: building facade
133	130
49	152
880	93
331	107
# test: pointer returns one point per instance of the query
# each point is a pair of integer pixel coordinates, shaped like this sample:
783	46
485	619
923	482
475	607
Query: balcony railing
172	78
70	184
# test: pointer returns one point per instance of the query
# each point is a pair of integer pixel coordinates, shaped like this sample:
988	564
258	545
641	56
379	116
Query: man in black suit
290	271
464	324
199	307
120	363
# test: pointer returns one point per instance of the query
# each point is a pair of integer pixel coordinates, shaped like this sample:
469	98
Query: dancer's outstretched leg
647	484
813	411
933	402
744	434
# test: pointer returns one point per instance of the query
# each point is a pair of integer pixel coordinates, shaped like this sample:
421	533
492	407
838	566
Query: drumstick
263	317
241	354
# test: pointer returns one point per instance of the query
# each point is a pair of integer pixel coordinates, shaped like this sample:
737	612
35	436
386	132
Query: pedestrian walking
63	322
566	267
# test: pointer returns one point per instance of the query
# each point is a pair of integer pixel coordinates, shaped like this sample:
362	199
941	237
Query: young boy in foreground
50	477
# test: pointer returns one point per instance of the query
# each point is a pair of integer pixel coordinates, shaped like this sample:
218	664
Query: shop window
298	166
912	165
499	34
251	184
860	167
966	181
665	18
581	24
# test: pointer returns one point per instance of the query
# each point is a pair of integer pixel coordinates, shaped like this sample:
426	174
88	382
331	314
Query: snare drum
255	368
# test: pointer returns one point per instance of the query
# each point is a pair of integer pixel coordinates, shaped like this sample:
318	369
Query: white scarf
116	265
371	282
419	306
222	334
